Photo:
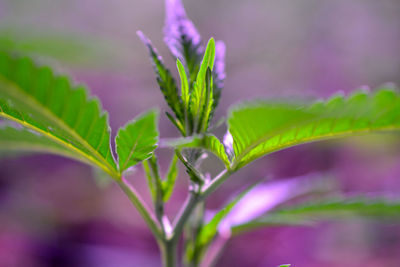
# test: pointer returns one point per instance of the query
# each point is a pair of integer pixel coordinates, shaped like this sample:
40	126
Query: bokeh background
53	211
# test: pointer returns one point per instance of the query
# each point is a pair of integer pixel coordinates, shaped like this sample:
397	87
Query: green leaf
184	84
48	104
194	174
328	209
161	189
209	230
66	47
155	184
262	128
207	141
208	61
169	183
177	123
150	179
285	265
205	115
137	140
12	139
165	80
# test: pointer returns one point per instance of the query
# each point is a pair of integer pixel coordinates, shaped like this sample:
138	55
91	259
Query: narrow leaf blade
327	209
169	182
150	179
199	100
209	230
165	79
184	84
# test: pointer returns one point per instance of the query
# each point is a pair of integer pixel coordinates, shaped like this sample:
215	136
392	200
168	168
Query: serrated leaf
137	140
207	141
169	183
182	38
165	80
328	209
48	104
262	128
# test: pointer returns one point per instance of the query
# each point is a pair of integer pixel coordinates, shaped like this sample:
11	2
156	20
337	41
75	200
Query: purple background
52	213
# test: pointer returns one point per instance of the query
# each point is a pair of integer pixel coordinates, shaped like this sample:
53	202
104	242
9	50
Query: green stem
141	207
169	252
215	183
184	214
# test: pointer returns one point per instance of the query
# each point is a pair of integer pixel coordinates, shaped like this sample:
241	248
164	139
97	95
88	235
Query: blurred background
53	212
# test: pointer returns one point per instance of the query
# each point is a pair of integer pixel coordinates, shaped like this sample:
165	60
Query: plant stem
144	211
168	244
168	252
184	214
215	183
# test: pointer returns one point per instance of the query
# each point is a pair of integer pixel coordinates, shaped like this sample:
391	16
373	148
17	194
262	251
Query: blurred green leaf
101	178
169	183
150	178
71	48
208	231
328	209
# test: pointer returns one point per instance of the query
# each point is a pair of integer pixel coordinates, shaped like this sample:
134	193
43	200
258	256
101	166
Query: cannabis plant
44	112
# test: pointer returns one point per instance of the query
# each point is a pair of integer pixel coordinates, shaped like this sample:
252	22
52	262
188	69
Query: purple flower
184	42
180	33
219	64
